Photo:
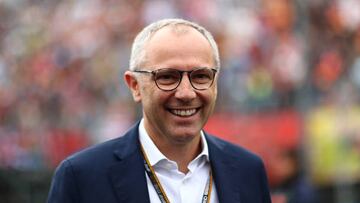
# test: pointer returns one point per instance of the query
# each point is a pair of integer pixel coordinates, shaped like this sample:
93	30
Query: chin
185	136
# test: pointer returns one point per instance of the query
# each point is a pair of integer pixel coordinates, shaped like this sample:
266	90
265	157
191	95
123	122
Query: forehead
179	43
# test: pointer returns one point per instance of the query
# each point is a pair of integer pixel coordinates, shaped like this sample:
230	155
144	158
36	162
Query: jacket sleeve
63	186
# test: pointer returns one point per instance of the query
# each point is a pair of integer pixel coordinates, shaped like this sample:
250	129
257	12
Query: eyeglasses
168	79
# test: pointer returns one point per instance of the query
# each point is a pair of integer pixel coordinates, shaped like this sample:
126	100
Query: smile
183	112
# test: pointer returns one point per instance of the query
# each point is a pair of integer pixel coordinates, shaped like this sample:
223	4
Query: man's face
175	116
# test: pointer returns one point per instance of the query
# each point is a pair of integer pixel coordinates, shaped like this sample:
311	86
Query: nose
185	91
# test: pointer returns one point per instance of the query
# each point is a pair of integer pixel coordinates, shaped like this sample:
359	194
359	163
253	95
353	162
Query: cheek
212	95
152	98
211	100
215	93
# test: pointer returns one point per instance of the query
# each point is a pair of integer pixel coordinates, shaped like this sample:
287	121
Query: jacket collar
223	166
128	174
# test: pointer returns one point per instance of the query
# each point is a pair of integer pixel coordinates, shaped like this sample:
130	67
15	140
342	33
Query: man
166	157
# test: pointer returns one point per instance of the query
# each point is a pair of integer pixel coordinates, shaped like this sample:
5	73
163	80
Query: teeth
188	112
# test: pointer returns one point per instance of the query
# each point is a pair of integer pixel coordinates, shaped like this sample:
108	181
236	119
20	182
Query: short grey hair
138	54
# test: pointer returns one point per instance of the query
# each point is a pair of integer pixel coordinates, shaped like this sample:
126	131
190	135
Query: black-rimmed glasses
168	79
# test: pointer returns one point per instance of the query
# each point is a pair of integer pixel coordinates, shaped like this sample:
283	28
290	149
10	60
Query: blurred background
288	90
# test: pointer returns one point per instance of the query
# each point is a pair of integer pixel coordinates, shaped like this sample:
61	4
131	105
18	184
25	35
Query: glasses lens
167	79
202	78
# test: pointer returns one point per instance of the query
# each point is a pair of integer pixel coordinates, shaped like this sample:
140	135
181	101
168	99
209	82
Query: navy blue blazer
113	172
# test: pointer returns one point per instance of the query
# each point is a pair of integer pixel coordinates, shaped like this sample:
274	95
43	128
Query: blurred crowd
61	65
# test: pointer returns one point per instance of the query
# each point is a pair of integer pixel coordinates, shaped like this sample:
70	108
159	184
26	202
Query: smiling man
166	156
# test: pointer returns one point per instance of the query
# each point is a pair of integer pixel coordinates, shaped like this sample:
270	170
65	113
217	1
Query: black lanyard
160	191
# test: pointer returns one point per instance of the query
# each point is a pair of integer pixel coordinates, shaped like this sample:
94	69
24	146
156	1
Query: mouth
184	112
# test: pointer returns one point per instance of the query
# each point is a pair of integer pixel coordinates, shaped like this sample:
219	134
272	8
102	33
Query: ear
133	84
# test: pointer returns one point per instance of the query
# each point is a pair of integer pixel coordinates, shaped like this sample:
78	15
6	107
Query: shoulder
103	154
241	167
234	153
98	152
85	174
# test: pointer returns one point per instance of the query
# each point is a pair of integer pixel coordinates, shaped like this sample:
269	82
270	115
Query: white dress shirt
179	187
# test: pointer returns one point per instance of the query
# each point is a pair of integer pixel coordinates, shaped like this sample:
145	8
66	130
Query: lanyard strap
160	190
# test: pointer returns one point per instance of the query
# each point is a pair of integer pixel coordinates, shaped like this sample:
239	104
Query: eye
202	76
167	77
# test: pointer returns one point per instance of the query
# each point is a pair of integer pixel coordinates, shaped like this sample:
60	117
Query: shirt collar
153	153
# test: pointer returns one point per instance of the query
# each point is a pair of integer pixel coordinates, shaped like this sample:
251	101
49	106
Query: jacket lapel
223	168
128	174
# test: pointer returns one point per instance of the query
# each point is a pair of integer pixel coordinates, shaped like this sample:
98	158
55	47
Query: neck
182	153
181	150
